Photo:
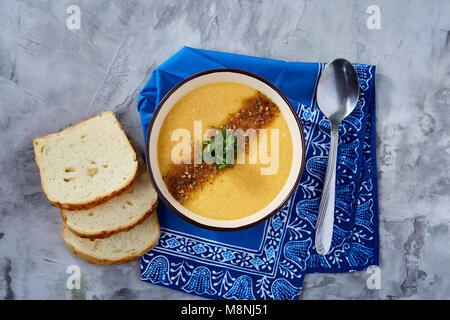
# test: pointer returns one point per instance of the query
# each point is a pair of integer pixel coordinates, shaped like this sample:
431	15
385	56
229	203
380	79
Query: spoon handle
325	219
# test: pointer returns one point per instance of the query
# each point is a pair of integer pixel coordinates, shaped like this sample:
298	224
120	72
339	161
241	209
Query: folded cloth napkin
270	260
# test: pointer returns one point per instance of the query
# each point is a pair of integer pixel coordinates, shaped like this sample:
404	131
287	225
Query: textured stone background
51	77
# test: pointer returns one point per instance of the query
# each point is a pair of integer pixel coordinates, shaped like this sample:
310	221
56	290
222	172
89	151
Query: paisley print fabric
270	261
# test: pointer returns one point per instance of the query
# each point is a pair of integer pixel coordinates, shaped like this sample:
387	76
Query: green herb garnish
229	144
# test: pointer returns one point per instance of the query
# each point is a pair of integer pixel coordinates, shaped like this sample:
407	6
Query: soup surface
238	190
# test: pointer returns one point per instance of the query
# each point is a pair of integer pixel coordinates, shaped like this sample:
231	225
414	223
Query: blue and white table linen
270	260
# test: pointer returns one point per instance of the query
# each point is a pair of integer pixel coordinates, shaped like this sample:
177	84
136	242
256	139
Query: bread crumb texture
117	214
87	163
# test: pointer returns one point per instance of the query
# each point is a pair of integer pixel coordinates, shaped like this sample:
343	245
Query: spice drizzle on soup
183	179
225	190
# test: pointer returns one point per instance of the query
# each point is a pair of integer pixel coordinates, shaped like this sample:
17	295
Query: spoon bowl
338	90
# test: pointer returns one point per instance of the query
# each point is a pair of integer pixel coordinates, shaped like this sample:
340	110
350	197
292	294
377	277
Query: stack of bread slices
100	182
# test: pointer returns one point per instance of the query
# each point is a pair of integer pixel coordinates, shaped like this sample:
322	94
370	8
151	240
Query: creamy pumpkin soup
223	190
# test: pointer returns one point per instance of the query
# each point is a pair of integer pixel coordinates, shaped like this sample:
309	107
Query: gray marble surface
51	77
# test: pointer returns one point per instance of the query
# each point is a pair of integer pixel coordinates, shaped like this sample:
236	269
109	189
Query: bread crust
91	204
106	233
104	262
98	200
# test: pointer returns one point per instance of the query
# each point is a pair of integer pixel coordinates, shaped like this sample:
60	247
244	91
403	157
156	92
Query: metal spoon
337	96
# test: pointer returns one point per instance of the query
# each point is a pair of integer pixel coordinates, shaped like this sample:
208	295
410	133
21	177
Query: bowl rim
147	142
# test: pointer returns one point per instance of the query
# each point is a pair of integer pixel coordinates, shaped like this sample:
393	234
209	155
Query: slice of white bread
86	164
119	248
118	214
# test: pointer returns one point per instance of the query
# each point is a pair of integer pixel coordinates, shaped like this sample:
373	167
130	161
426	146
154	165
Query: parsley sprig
229	144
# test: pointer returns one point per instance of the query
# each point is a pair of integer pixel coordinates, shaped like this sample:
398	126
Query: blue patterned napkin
270	260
